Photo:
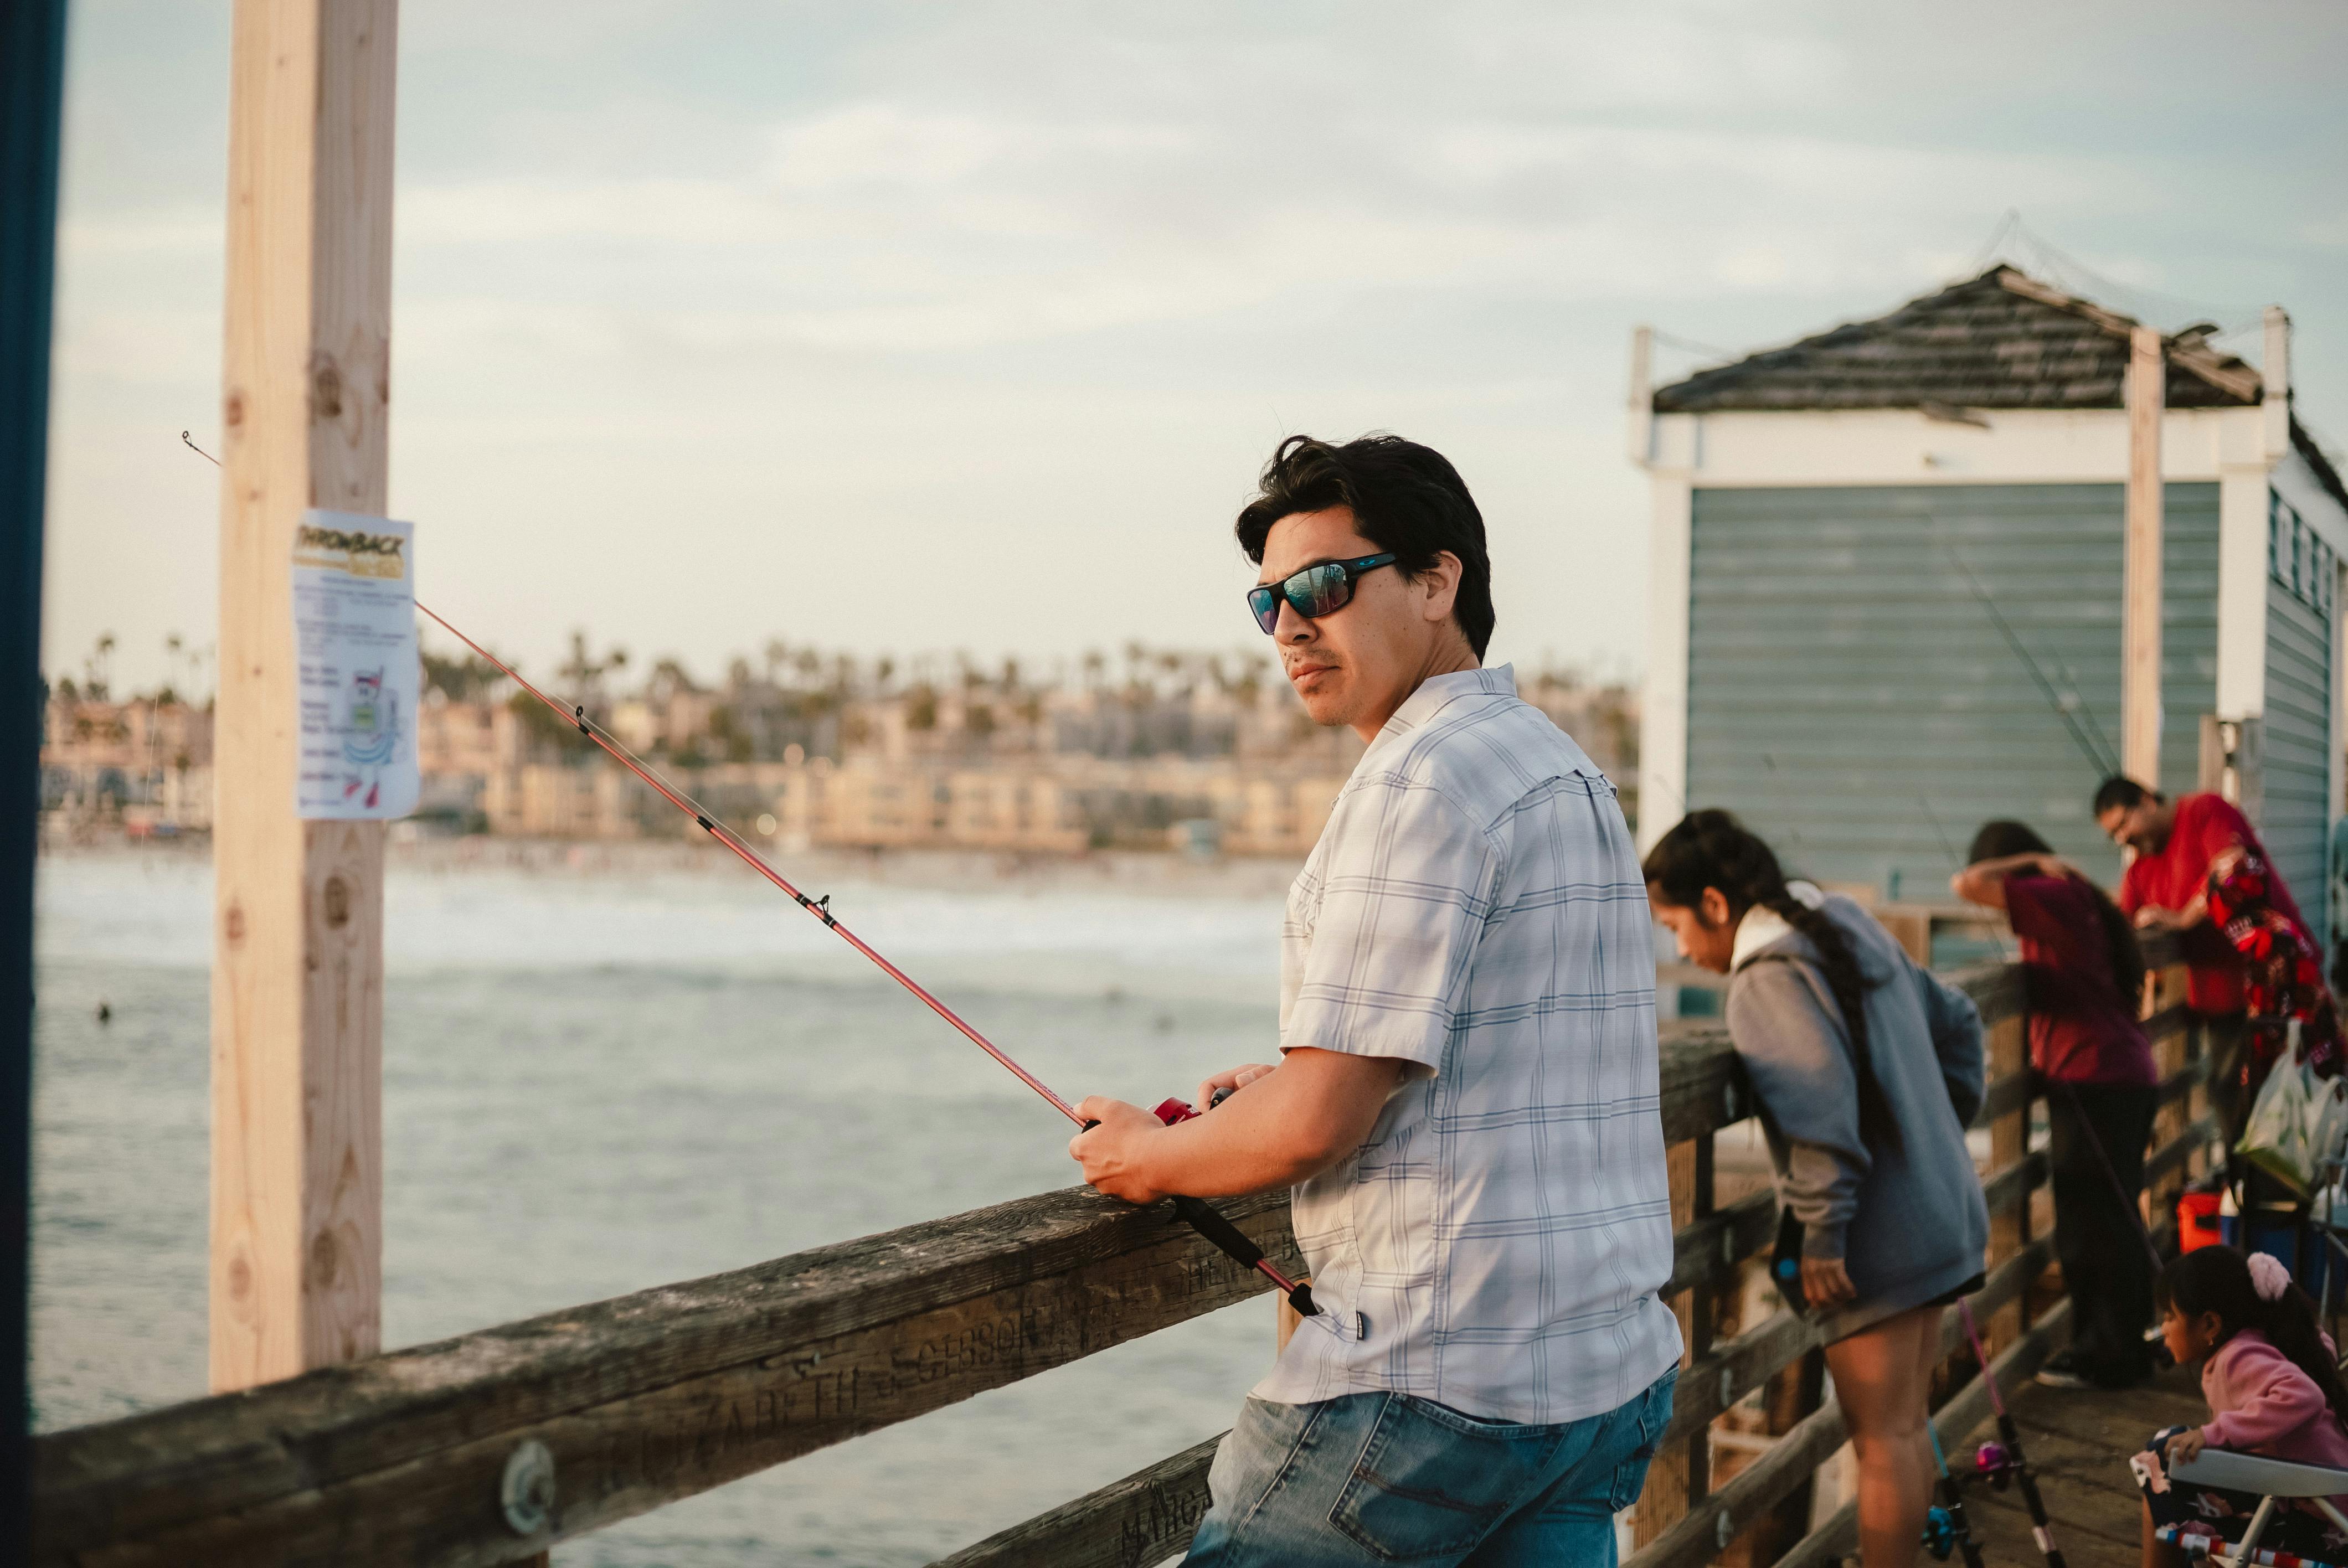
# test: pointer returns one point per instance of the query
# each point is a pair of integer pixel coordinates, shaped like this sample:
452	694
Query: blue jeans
1390	1478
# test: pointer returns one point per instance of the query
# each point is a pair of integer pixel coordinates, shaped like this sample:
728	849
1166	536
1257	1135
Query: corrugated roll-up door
1851	696
2296	818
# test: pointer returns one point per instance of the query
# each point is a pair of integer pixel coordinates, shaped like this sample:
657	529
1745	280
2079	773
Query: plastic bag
2327	1126
2297	1120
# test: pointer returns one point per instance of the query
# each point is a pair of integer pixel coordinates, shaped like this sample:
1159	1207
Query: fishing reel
1170	1111
1996	1464
1939	1534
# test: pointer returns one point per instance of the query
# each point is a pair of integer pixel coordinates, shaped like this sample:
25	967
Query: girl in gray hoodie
1866	1068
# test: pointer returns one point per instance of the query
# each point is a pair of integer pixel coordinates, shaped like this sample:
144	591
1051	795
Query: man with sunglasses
1466	1107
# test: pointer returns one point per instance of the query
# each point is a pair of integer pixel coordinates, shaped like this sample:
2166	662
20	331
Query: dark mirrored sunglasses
1313	593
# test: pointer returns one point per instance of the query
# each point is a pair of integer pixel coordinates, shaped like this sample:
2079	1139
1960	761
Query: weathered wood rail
639	1400
438	1454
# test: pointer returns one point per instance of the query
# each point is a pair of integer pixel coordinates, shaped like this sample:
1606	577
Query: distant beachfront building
1888	596
146	761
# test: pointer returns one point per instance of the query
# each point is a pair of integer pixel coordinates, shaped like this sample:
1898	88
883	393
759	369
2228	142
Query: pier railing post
297	967
1679	1475
2009	1144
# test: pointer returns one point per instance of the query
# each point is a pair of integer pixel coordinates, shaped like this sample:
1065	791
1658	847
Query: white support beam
2335	783
1640	427
2141	603
1663	715
2275	377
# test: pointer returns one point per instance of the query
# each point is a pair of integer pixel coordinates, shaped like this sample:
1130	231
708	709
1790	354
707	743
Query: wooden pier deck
2079	1442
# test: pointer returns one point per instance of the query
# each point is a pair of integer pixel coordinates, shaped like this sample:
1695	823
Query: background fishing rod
1226	1236
2098	750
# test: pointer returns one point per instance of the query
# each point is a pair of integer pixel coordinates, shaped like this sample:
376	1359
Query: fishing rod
1226	1236
2097	755
2004	1459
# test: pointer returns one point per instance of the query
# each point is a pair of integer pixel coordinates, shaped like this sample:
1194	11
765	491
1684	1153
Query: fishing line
2105	766
1224	1234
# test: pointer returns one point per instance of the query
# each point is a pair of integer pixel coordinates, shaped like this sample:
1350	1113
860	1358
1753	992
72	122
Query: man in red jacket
2166	887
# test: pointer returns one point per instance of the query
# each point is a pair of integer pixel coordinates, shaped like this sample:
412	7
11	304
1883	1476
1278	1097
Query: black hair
1405	499
1999	840
2121	791
1711	848
2217	1279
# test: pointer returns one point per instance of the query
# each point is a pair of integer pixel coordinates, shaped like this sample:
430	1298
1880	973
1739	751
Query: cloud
890	145
682	213
660	256
883	227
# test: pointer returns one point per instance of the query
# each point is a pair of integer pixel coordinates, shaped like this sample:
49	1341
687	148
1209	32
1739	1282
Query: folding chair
2273	1481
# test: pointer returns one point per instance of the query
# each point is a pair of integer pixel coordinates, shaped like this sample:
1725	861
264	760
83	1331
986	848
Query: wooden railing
486	1448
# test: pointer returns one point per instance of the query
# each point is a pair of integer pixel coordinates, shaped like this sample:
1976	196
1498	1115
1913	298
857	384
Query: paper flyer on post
355	638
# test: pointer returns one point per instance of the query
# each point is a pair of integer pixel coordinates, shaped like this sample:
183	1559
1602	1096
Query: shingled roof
2003	340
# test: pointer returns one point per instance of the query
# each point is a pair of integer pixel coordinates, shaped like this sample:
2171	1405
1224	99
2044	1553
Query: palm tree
97	668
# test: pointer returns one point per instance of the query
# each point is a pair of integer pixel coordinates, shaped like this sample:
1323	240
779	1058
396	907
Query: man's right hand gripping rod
1227	1237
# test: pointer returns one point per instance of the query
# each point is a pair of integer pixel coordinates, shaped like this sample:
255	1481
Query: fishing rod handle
1225	1236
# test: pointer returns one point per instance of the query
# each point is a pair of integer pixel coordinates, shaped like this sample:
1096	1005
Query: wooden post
2009	1138
1911	929
2171	1050
298	966
2140	615
1794	1393
1678	1477
1642	423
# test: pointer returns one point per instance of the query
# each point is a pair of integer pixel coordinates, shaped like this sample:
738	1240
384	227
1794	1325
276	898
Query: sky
907	326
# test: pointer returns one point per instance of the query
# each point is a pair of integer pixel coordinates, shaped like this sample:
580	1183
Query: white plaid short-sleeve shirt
1499	1242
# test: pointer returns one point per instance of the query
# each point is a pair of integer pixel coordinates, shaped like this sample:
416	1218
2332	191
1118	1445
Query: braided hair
1711	848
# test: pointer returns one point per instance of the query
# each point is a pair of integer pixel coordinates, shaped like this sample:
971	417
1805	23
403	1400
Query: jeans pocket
1654	1414
1431	1483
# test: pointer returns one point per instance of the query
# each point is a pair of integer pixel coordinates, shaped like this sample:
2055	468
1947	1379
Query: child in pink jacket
2274	1389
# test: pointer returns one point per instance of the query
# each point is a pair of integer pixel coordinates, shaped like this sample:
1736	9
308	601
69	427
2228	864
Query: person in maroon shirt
2083	976
2251	965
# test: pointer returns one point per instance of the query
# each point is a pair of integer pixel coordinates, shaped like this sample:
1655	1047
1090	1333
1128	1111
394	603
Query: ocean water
597	1080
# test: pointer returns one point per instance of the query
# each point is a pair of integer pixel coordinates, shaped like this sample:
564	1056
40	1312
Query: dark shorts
1842	1322
2296	1529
